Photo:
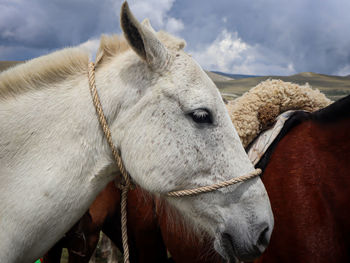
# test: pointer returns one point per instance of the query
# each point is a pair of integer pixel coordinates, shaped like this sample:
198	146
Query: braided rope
213	187
125	187
107	132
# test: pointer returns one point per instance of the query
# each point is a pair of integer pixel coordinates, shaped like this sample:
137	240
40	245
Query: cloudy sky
261	37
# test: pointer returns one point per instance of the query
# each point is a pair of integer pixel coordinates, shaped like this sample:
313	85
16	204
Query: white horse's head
174	133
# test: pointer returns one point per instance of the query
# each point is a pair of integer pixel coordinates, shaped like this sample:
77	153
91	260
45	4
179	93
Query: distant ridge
334	87
302	74
235	76
8	64
217	77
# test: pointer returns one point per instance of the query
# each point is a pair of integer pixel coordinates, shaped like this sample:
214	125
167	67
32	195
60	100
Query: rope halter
126	178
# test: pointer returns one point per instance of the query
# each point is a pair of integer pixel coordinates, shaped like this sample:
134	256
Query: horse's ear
142	39
147	23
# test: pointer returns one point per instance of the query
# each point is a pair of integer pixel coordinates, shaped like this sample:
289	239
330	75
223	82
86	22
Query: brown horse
307	176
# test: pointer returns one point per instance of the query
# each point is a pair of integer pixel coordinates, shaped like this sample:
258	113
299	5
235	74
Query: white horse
166	117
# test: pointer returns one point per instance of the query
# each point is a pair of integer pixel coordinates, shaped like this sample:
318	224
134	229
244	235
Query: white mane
43	71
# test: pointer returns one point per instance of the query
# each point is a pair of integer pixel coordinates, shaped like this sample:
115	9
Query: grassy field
334	87
7	64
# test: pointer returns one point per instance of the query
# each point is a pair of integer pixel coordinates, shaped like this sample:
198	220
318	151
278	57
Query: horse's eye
201	116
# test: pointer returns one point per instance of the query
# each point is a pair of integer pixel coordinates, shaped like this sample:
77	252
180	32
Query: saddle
257	148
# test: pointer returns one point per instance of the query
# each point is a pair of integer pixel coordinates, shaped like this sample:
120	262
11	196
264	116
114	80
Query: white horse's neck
52	138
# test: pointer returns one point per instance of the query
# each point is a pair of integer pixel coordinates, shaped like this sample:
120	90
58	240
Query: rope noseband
126	184
213	187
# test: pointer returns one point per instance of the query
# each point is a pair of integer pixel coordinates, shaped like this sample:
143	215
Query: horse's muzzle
233	246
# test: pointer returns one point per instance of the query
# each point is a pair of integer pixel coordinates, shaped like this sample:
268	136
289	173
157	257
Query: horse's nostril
228	245
244	247
227	240
263	239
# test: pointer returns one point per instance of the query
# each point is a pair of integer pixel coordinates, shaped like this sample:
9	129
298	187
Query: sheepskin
258	108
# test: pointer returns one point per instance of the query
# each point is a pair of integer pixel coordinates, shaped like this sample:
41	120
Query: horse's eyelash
200	113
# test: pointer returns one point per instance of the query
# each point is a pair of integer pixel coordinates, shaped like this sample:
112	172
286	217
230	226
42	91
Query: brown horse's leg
83	241
84	255
54	254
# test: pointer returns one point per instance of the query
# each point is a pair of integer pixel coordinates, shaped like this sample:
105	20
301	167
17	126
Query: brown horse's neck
308	183
337	112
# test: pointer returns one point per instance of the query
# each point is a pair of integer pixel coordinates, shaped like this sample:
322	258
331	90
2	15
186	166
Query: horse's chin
224	251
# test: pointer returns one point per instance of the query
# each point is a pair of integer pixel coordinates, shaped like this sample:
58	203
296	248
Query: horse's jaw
240	227
244	235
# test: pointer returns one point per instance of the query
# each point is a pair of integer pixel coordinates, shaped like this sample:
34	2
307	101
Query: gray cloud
48	25
278	36
310	35
32	28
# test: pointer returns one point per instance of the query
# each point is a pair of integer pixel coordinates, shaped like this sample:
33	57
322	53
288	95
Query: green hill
334	87
7	64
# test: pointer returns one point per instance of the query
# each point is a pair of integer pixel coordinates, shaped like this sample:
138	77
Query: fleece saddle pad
264	140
